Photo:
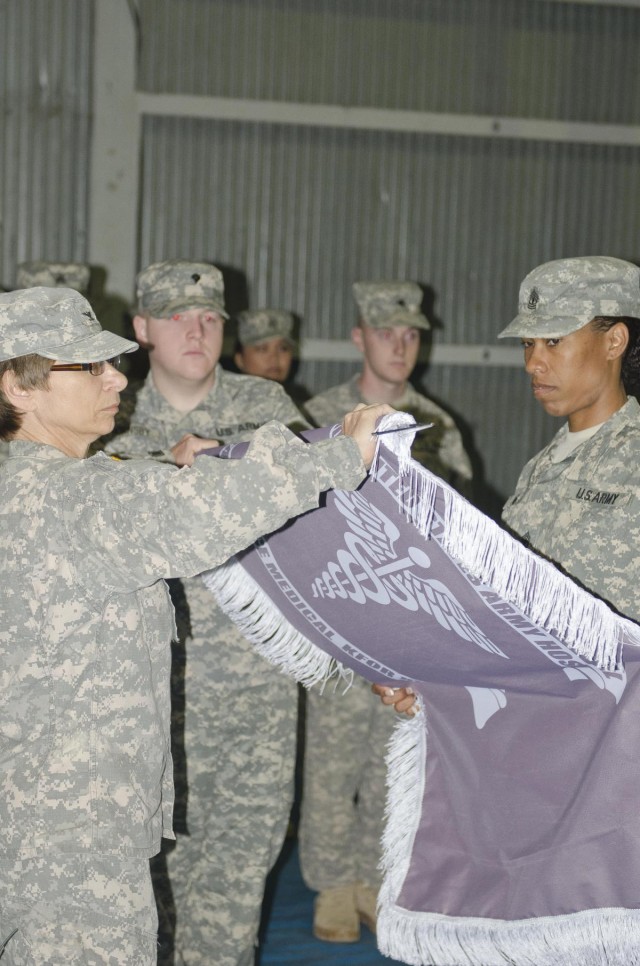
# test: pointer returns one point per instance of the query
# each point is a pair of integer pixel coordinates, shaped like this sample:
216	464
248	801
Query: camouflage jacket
584	511
234	408
439	449
85	622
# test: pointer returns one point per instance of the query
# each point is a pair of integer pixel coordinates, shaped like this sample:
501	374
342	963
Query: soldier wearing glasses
53	275
85	624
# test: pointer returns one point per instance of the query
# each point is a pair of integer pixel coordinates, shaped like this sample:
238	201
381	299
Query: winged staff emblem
369	569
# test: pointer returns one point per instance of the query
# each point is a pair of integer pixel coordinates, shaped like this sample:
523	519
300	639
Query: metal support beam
440	354
603	3
364	118
115	148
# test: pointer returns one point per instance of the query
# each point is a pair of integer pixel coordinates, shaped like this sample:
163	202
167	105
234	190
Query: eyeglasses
95	368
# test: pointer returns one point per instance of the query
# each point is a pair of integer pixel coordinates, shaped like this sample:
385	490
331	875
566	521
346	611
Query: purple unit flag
513	834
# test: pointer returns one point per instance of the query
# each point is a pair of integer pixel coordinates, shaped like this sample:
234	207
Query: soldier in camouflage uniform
52	275
234	772
388	336
344	773
578	501
85	624
265	344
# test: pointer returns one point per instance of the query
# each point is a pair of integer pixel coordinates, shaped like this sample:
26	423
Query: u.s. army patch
597	497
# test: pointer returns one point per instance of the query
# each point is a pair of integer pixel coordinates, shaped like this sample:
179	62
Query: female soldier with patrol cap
85	625
265	344
577	502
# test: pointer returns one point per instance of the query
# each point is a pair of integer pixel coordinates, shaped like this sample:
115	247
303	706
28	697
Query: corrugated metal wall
303	212
296	213
524	58
45	95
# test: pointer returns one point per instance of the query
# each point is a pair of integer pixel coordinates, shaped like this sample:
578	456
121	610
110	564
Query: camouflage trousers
67	910
344	788
234	767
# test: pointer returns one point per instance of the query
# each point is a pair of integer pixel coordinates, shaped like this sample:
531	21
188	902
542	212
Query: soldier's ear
15	393
141	329
617	340
239	361
356	338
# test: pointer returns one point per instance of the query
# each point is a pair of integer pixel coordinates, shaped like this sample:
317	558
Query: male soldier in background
388	336
54	275
239	762
85	622
344	774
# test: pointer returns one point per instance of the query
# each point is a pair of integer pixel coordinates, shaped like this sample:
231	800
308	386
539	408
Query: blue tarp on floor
287	936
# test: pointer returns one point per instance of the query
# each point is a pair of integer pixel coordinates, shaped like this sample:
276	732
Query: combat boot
335	917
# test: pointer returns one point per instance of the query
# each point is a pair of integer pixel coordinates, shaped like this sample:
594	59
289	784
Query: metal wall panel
303	212
501	426
296	214
523	58
299	213
45	95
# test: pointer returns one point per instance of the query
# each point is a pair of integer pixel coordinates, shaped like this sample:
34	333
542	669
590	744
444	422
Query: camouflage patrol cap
262	324
559	297
385	304
57	323
177	286
53	275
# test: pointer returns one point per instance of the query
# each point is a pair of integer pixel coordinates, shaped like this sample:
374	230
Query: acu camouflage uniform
347	735
583	512
73	275
85	622
440	448
234	714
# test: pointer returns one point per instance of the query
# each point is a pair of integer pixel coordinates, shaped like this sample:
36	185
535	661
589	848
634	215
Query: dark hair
631	359
32	372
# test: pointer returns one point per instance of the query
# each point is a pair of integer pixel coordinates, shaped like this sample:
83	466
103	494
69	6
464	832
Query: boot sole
336	935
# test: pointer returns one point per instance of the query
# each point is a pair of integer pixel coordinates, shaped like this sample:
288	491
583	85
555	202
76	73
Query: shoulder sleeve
511	511
286	411
440	449
328	408
138	443
132	523
454	455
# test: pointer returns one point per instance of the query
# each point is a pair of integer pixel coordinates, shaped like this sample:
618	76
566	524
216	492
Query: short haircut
32	372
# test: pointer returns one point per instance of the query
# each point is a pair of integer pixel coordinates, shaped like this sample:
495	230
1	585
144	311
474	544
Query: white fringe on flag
489	554
264	624
405	759
595	937
479	546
